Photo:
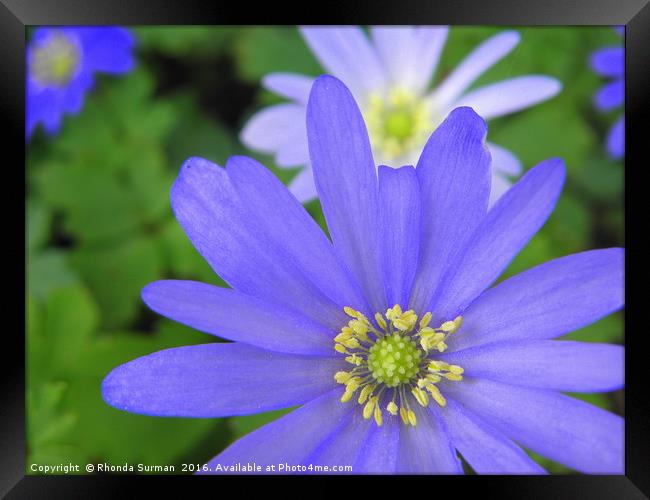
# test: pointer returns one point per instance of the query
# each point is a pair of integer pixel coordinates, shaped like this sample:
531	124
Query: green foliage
100	226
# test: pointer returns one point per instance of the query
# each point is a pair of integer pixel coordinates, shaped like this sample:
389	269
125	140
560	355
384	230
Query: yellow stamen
378	416
392	408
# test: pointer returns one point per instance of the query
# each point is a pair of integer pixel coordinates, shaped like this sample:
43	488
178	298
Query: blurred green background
100	227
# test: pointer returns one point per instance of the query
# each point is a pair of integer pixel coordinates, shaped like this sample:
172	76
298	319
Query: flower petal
240	237
609	61
616	139
235	316
426	447
346	180
290	85
508	226
486	449
410	54
546	301
107	48
508	96
399	193
564	429
474	65
274	127
302	185
346	53
547	364
379	451
290	439
503	160
610	96
454	176
217	380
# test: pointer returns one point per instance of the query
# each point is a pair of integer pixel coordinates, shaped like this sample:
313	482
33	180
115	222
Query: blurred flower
389	75
60	66
456	367
610	62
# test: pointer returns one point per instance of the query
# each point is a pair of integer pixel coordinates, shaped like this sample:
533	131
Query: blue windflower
388	336
610	63
389	75
60	66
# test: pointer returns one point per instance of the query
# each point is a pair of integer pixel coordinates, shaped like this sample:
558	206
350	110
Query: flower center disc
394	360
55	62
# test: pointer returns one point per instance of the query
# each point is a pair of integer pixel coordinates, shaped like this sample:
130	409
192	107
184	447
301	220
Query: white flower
390	75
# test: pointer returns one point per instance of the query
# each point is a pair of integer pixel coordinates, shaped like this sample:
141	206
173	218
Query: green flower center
399	124
394	360
55	62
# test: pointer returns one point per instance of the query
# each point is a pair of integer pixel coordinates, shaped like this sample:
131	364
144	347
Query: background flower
609	62
400	237
61	62
389	75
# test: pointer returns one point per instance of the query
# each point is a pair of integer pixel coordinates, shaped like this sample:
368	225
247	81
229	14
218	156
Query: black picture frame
16	15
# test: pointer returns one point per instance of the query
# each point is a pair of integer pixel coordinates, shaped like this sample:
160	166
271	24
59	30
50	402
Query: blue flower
610	63
60	66
388	336
389	76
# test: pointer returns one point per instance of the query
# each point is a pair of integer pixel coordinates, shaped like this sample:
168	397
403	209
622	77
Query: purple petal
379	451
609	61
510	223
292	438
426	448
217	380
107	48
610	96
294	153
410	54
289	85
546	301
486	449
454	176
399	193
509	96
346	180
474	65
547	364
235	316
616	139
346	53
302	185
564	429
274	127
242	235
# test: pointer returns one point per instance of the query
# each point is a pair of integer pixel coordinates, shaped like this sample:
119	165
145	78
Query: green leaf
39	219
48	270
185	41
116	275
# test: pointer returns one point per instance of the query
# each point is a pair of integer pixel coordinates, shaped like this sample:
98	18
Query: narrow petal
292	438
569	431
509	96
273	127
609	61
346	52
234	316
379	451
454	176
616	139
107	48
240	237
290	85
486	449
410	54
500	184
217	380
610	96
547	301
474	65
509	225
426	448
302	186
399	193
546	364
293	154
346	180
342	446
